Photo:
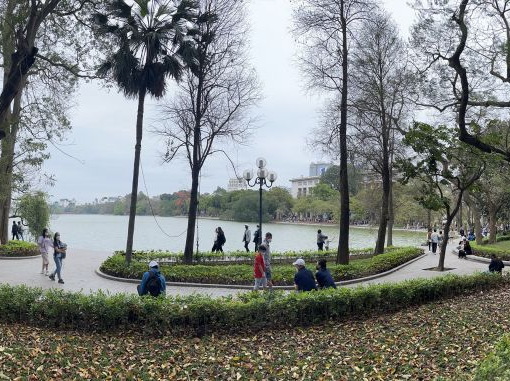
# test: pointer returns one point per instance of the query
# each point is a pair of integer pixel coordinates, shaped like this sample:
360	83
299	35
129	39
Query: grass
503	245
446	339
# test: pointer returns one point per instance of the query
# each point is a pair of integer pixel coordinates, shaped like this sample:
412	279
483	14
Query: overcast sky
103	121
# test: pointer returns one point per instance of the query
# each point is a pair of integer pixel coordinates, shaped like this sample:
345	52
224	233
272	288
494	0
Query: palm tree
153	40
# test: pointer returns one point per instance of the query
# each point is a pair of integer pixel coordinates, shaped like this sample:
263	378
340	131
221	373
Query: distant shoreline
297	223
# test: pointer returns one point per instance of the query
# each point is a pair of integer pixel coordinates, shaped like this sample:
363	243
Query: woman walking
45	245
58	255
220	240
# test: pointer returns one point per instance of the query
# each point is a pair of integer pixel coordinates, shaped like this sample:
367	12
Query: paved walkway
80	265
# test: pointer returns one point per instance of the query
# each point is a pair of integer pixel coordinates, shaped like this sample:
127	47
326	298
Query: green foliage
34	209
495	366
178	315
18	249
282	274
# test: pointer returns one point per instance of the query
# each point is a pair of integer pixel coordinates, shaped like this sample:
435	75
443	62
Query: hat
299	262
153	264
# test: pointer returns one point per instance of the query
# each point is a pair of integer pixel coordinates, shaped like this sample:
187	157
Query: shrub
486	252
18	249
495	366
243	273
189	314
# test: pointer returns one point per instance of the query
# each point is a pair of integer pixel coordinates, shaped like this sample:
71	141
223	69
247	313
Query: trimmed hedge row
499	238
200	314
19	249
243	273
495	366
486	252
241	256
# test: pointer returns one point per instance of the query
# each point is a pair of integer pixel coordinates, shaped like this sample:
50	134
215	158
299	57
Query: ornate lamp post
264	178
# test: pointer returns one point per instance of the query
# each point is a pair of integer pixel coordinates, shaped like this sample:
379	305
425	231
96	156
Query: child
259	269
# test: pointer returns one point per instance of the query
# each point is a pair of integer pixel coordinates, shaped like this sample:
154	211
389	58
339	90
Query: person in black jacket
256	238
220	240
323	276
496	264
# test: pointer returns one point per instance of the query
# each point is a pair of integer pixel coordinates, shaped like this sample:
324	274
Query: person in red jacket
259	269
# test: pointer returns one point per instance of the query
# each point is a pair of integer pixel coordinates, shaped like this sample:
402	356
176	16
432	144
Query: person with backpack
153	282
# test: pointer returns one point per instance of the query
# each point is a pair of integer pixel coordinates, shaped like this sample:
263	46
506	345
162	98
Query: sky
99	151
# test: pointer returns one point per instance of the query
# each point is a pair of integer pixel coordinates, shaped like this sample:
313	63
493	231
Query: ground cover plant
18	249
243	273
444	339
501	249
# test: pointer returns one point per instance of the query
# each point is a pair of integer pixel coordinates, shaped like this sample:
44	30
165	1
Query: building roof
305	178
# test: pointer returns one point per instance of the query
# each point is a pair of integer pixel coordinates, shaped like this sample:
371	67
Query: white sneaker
47	272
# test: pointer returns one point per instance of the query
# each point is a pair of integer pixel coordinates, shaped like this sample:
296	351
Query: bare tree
213	103
380	88
325	29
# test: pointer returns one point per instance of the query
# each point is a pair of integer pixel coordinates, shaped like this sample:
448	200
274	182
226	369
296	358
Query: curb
476	258
19	258
250	287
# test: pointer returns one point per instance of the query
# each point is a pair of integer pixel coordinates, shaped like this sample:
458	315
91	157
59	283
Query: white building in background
302	186
237	184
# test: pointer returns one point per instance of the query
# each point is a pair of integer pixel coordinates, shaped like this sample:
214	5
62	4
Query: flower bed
250	311
19	249
242	274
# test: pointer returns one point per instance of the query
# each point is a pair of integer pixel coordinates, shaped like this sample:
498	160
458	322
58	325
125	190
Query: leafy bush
18	249
495	366
199	313
243	273
486	252
499	238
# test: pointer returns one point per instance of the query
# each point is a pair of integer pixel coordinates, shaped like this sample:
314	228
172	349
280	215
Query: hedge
243	273
199	314
19	249
496	366
499	238
241	256
486	252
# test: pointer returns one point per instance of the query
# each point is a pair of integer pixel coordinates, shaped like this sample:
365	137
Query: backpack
154	284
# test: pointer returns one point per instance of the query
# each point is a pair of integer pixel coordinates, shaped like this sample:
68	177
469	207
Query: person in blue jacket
323	276
153	282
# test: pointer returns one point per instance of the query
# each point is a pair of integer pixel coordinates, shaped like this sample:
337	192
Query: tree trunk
192	217
446	234
429	219
136	171
391	216
476	218
343	239
492	223
383	223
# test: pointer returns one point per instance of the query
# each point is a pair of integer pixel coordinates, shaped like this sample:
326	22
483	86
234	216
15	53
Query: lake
108	233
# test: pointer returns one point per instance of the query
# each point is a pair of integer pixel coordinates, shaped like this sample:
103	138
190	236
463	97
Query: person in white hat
303	280
153	282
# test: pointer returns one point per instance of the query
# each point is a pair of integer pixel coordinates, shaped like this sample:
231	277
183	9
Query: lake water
108	233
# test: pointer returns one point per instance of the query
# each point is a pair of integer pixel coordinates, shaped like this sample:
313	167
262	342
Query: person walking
321	238
256	238
259	269
267	259
434	239
20	231
429	241
59	253
246	237
14	230
220	240
153	282
45	245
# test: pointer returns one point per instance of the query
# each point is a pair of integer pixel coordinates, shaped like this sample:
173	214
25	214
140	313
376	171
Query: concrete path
80	265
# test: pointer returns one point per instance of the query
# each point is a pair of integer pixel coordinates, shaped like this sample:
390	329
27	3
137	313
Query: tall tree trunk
343	239
493	211
383	223
449	219
136	172
476	218
391	216
7	166
192	217
429	219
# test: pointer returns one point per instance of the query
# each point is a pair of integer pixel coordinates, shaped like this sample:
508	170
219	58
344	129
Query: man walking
246	237
256	238
434	238
267	259
321	238
14	230
20	231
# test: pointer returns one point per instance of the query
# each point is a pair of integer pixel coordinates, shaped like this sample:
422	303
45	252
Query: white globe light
261	162
272	176
262	173
248	175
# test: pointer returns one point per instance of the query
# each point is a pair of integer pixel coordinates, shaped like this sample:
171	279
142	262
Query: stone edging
476	258
18	258
249	287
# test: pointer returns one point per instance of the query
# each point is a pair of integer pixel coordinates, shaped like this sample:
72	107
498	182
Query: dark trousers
434	247
430	245
246	243
216	247
256	245
15	235
320	245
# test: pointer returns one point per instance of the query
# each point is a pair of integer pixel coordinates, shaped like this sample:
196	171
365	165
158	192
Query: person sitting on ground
471	236
496	264
153	282
259	269
465	248
303	280
323	276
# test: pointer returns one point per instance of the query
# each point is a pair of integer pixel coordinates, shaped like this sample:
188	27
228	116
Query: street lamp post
264	178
